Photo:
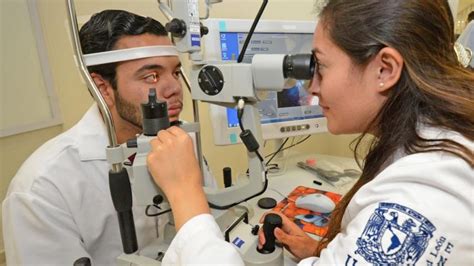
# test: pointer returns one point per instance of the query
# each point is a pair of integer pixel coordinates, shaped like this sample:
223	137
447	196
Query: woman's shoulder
436	168
436	158
432	132
427	198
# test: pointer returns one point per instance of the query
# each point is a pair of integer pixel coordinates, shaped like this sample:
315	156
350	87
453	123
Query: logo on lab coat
394	234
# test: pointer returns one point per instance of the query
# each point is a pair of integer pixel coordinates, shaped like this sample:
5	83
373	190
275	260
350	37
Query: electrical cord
252	29
291	146
278	150
297	143
147	210
240	112
225	207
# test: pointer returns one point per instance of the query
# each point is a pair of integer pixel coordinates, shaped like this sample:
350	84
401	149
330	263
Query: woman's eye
177	73
151	78
319	65
319	68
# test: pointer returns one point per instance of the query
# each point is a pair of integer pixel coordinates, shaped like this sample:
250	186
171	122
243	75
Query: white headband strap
129	54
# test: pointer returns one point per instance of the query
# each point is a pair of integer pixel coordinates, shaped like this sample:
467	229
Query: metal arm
119	182
104	110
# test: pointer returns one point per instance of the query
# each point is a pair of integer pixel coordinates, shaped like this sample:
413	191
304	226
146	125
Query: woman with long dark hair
387	70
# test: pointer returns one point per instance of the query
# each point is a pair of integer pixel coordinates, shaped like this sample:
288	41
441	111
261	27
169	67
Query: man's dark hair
104	29
470	17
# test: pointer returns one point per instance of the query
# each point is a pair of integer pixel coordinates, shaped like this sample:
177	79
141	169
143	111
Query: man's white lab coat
58	207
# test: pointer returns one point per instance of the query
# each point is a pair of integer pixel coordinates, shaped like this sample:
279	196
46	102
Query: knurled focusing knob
269	223
176	27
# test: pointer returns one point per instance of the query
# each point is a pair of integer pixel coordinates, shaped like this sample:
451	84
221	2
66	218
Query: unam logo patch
394	234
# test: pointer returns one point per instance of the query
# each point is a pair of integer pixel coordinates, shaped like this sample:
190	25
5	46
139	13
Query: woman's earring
381	84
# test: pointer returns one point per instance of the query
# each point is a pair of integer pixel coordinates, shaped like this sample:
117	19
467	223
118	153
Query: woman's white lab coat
419	210
58	207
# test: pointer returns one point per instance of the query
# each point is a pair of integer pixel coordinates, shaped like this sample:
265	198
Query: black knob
176	27
269	223
158	199
255	229
227	172
204	30
84	261
211	80
132	143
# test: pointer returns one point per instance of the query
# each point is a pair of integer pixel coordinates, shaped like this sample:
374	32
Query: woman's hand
171	160
175	169
292	237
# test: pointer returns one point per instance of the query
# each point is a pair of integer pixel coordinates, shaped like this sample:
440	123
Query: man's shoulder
60	155
45	161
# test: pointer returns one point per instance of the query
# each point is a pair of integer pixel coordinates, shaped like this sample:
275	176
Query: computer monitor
288	113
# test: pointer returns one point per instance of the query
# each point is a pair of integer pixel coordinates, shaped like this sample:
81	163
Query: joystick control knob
269	223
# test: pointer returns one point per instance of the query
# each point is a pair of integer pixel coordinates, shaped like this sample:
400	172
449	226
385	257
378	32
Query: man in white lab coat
58	207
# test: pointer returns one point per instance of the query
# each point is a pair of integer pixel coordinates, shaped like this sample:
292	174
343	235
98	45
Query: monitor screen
287	113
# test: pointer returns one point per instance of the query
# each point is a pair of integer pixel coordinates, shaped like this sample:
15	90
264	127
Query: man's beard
127	111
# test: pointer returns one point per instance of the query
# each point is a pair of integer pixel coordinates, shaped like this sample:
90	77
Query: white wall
464	8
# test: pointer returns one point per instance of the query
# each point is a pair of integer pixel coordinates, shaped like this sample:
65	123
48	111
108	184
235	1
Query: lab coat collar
92	135
426	131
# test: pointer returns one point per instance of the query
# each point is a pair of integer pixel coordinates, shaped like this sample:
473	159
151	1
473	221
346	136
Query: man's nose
170	86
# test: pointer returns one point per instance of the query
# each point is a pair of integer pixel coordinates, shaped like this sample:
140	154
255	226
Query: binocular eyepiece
299	66
271	71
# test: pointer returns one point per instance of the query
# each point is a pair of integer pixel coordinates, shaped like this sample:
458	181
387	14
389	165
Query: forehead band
129	54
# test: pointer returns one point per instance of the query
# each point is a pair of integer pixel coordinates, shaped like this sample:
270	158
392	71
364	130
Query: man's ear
105	89
390	65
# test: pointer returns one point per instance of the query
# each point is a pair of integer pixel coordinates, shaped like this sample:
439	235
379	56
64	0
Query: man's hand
292	237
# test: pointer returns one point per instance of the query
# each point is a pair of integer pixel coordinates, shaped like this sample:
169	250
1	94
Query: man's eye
151	78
